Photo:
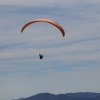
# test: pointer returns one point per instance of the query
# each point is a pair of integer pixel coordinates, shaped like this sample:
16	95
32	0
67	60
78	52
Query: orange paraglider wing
45	20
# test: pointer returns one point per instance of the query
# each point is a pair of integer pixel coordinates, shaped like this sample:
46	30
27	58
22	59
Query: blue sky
70	64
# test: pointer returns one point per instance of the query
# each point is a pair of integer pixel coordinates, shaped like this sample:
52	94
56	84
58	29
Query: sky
70	63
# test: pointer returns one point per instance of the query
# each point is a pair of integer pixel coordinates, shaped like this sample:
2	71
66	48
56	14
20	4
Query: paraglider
44	20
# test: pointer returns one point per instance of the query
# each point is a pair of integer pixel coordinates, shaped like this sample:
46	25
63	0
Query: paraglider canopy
45	20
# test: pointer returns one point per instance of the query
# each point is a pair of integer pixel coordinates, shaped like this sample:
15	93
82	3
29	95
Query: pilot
41	56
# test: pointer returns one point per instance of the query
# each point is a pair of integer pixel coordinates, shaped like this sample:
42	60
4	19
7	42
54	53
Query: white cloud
47	3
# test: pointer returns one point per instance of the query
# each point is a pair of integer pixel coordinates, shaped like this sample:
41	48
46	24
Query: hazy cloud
73	59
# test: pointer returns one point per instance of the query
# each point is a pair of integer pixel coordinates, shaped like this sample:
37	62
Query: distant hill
67	96
83	94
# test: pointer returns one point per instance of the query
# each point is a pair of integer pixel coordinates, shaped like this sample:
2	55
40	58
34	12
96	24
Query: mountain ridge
66	96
